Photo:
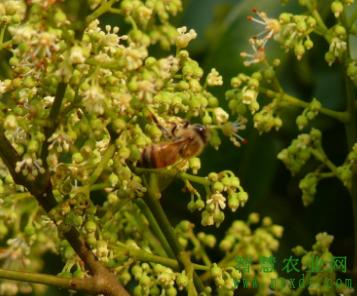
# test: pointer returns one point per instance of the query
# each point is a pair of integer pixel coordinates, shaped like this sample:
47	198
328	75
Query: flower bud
233	202
336	8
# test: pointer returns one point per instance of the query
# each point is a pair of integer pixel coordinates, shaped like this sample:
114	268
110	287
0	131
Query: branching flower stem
321	156
144	256
165	225
321	26
228	260
294	101
87	285
52	120
195	179
173	173
197	244
102	165
185	260
351	134
2	33
341	116
102	9
155	227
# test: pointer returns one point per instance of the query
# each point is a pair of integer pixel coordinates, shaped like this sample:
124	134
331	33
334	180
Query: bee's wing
165	181
180	145
173	155
183	141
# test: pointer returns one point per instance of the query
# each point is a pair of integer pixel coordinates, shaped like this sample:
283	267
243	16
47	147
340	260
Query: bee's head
202	131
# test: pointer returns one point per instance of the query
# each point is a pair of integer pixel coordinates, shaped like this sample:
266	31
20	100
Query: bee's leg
181	164
167	134
164	130
174	129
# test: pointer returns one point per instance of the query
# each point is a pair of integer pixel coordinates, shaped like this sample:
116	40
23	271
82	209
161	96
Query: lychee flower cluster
213	78
195	243
352	71
222	190
244	93
153	279
348	168
308	186
267	118
271	27
298	153
309	145
101	90
296	156
308	114
243	97
295	33
15	255
318	264
251	242
144	14
262	241
225	278
30	167
337	37
12	12
291	31
37	235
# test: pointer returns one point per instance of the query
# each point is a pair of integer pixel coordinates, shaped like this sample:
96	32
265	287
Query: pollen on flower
337	46
257	55
249	96
10	122
48	101
183	39
135	57
213	78
76	55
122	101
220	115
271	26
231	129
59	141
94	99
168	66
146	90
217	200
4	85
30	167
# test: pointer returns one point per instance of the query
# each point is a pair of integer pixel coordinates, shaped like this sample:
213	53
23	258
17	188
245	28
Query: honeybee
184	142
